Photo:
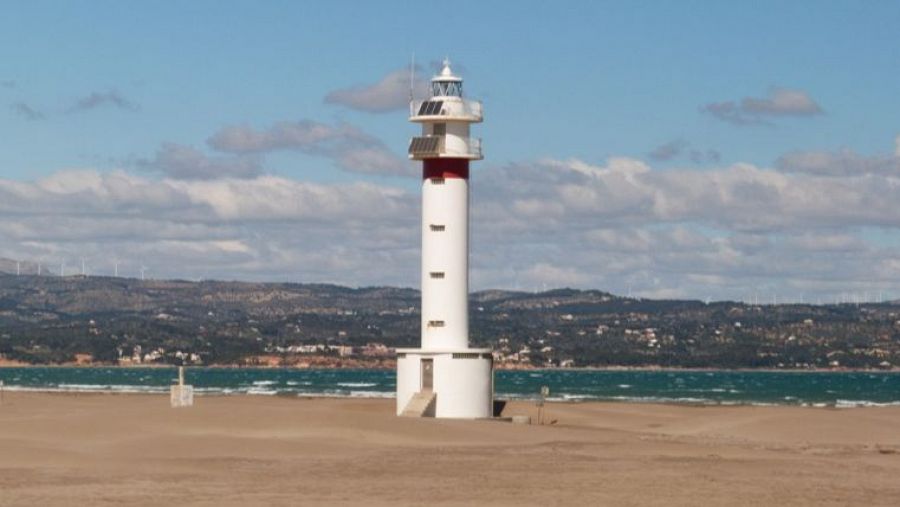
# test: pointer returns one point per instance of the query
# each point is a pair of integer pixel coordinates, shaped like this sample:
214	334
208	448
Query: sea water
837	389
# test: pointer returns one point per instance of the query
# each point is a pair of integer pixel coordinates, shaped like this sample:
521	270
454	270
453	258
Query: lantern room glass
446	89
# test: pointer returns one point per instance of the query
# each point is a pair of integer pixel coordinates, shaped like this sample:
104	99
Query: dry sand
94	449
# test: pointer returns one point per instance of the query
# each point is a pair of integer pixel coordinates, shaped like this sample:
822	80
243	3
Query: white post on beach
545	391
181	395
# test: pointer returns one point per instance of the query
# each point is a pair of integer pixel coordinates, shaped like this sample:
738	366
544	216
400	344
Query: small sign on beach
181	395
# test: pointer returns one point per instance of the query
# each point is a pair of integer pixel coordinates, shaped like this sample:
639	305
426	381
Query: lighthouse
445	377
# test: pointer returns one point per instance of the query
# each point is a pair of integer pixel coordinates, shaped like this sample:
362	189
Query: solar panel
430	108
424	145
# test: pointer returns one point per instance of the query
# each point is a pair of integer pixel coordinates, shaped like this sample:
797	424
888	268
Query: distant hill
47	319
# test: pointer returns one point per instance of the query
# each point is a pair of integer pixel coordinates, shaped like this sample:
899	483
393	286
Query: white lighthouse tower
445	378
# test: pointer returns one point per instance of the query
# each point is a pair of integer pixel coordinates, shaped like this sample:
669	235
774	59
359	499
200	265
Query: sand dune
99	449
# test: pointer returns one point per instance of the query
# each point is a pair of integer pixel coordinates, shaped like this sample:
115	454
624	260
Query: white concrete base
462	380
181	396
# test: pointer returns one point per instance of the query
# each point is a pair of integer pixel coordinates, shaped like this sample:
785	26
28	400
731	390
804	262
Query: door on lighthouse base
427	374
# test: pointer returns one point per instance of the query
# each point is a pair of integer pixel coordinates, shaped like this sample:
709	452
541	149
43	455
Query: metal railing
474	144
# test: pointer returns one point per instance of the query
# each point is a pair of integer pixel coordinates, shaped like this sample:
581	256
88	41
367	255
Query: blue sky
110	87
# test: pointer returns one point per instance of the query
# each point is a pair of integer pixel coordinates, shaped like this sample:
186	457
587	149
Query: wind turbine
143	269
83	268
18	268
116	268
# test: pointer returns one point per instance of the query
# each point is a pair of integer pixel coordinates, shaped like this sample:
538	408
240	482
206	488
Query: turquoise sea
839	389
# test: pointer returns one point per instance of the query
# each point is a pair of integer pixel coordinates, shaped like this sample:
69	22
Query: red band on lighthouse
445	168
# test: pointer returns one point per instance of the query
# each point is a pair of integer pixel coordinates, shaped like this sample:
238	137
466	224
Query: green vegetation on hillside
51	320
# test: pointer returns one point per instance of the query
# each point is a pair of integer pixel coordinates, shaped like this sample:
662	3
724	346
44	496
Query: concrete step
421	405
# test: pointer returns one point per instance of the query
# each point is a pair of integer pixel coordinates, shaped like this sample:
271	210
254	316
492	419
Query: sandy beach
97	449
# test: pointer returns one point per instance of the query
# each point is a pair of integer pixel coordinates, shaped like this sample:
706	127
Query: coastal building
445	377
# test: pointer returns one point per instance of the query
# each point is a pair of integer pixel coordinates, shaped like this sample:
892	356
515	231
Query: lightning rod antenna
412	76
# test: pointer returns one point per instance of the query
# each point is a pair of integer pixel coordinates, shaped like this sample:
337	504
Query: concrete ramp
421	405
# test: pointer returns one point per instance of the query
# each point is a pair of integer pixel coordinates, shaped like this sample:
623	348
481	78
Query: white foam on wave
352	394
295	383
864	403
264	382
262	392
640	399
90	388
357	384
212	390
371	394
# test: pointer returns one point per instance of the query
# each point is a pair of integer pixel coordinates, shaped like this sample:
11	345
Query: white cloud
740	197
261	228
759	110
391	93
351	148
679	148
841	163
726	232
111	98
25	111
782	101
185	162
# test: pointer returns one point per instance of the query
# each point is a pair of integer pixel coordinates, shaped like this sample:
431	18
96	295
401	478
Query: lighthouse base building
457	384
445	377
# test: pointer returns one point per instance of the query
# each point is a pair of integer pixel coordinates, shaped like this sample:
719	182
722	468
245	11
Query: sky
694	149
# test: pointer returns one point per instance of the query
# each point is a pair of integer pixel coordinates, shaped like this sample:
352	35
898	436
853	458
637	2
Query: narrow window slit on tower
437	181
437	228
435	323
437	274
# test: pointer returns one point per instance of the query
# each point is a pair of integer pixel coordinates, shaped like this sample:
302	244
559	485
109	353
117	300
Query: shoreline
893	369
163	391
